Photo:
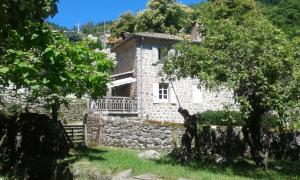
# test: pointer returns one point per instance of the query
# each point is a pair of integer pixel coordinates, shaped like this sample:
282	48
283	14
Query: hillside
285	14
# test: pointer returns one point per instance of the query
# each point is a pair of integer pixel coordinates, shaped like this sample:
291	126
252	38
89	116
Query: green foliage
285	14
164	16
74	36
110	161
160	16
221	118
95	29
49	66
234	118
56	27
43	61
15	13
245	53
125	23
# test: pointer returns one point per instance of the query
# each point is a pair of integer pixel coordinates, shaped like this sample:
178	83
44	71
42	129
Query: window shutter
173	99
155	54
155	93
197	94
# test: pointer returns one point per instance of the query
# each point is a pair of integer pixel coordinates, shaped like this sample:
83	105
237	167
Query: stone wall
227	143
73	113
131	132
125	56
147	59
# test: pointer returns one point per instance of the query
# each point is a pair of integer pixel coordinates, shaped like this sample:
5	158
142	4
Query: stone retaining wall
73	113
133	133
228	143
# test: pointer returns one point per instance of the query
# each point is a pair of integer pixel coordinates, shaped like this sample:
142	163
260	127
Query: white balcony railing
114	105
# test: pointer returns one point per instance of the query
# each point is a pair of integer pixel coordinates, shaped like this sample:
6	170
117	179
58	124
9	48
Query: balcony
114	105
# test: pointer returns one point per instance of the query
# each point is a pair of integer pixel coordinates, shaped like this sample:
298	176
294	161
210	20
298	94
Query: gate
76	133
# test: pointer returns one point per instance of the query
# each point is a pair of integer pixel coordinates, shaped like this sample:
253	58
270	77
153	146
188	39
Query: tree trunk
54	110
190	124
253	137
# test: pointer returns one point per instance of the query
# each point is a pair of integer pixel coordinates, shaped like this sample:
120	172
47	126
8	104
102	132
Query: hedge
232	118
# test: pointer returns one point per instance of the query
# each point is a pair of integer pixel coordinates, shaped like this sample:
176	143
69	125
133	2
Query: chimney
126	35
196	36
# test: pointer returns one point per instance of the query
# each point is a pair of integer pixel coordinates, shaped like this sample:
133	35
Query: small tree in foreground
48	66
245	53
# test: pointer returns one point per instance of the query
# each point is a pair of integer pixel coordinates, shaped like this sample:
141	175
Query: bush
30	146
233	118
221	118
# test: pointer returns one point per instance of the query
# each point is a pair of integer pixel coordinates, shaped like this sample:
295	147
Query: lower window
163	92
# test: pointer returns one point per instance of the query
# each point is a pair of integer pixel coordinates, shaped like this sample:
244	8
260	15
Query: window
163	92
162	54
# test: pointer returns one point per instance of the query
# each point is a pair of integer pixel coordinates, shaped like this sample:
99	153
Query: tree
49	66
245	53
125	23
15	14
285	14
88	28
43	61
164	16
160	16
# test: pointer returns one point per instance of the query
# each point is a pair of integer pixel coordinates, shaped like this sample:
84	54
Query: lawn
110	161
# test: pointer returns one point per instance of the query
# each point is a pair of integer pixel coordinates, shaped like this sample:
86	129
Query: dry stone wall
228	143
68	114
131	132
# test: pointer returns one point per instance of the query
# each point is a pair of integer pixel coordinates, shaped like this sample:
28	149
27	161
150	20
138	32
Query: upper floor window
162	54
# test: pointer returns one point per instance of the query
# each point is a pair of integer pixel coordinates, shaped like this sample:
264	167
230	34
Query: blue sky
72	11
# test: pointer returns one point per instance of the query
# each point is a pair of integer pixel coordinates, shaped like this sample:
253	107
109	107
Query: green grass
110	161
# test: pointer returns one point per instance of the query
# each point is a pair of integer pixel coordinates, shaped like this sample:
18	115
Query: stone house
138	88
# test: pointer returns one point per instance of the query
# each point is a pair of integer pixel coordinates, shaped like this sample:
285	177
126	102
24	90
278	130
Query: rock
123	175
298	140
94	174
141	139
167	131
134	137
151	154
84	170
219	158
157	141
163	136
145	177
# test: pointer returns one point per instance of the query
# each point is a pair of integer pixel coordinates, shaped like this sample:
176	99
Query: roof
151	35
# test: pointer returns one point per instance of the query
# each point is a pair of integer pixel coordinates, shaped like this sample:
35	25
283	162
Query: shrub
233	118
221	118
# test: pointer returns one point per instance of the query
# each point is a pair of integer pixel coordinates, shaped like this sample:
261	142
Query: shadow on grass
88	153
241	167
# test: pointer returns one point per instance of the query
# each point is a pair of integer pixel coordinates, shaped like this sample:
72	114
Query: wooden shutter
197	95
173	99
155	93
155	54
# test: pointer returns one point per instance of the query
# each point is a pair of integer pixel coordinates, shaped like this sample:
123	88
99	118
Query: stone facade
147	71
132	132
